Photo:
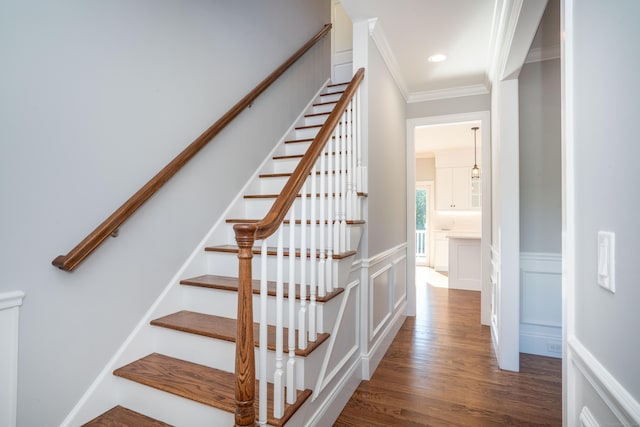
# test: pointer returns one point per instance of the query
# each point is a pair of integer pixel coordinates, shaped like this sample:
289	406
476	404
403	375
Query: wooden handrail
246	235
109	226
270	223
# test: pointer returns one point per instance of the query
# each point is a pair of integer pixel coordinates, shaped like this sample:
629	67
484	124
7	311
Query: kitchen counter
464	261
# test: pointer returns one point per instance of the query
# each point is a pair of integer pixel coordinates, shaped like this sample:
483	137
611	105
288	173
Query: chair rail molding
10	303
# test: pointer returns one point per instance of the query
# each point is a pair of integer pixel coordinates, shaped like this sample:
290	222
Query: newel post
245	360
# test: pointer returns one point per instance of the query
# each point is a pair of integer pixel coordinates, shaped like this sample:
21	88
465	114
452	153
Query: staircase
184	371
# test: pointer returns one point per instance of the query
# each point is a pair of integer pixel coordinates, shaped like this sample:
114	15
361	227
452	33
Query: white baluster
338	190
362	171
343	187
349	171
322	286
278	376
354	157
313	278
262	370
330	216
302	318
291	363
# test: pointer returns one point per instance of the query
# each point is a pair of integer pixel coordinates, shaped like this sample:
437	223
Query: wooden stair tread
296	156
271	251
224	328
231	284
286	221
200	383
317	104
273	196
120	416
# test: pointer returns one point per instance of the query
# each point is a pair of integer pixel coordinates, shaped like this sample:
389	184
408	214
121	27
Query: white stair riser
220	354
323	108
303	133
258	208
330	97
172	409
224	303
297	148
225	264
315	120
354	234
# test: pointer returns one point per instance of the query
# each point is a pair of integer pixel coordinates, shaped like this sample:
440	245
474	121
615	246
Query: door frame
484	117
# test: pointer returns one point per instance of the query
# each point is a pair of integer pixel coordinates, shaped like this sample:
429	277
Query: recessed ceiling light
439	57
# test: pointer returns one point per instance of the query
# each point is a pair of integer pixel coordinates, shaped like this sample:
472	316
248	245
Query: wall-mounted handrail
246	235
108	227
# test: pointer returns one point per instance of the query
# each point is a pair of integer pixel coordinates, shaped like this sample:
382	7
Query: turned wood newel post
245	360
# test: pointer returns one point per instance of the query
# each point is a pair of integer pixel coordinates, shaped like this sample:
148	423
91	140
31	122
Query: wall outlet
554	347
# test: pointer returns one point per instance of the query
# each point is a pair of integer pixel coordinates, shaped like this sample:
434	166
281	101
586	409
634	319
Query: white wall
600	168
425	169
98	97
386	158
441	107
540	189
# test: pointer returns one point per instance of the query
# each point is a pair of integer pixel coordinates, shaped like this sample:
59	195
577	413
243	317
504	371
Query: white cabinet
441	261
453	189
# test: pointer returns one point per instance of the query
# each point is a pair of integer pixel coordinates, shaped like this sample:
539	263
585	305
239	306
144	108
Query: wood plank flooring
441	371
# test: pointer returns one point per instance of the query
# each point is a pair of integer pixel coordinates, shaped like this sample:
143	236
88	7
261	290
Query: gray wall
96	98
387	158
606	112
441	107
540	182
426	169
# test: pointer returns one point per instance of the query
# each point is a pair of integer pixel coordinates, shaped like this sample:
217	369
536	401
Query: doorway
424	206
484	154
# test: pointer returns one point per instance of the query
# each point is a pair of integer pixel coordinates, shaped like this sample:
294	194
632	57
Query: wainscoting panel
386	296
596	397
10	303
380	299
541	304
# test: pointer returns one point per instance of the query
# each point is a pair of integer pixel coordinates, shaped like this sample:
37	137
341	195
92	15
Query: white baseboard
541	303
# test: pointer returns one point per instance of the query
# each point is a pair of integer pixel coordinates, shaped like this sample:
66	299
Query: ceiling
461	29
464	30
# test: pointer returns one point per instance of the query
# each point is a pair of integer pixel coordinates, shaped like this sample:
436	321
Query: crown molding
377	35
454	92
543	54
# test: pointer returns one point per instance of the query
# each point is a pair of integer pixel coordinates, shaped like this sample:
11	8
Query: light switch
606	260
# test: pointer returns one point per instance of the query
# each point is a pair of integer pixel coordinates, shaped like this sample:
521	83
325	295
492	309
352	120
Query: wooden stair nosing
288	174
273	196
224	329
286	221
272	251
199	383
119	416
299	156
318	104
226	283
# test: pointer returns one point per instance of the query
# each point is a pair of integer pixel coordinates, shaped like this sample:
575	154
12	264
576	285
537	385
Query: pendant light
475	171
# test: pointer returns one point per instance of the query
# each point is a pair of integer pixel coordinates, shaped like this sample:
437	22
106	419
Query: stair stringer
105	390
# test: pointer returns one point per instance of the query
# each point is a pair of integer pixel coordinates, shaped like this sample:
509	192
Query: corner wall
600	163
97	98
540	209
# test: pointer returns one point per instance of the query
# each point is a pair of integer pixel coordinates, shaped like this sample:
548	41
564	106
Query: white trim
587	419
540	54
377	35
569	392
11	299
323	377
485	119
343	390
397	300
367	263
377	351
10	303
374	329
453	92
617	398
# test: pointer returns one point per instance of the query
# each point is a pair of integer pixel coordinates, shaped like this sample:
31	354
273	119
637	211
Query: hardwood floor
441	371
